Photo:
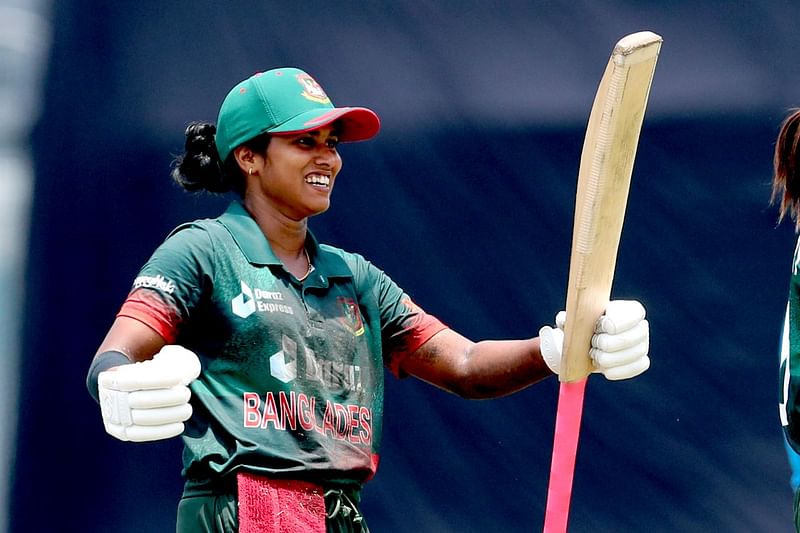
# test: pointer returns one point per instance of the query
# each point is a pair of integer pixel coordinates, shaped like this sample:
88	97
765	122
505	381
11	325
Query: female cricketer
264	349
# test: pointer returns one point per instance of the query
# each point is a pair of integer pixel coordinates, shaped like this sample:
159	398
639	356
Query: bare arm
133	338
485	369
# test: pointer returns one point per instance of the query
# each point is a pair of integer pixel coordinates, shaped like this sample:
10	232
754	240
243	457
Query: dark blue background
466	200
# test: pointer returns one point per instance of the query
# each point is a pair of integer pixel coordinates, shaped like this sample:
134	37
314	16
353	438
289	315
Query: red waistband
279	505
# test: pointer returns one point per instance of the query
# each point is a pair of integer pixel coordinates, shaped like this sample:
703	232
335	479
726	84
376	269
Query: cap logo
312	90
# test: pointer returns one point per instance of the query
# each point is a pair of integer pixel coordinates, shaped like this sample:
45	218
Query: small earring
249	171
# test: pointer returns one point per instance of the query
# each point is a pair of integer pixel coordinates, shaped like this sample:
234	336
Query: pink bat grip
565	448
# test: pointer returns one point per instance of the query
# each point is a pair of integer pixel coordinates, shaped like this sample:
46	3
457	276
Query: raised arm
485	369
494	368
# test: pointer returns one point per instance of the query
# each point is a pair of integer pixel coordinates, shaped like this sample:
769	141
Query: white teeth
318	179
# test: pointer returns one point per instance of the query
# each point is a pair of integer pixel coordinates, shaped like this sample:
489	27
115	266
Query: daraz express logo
244	305
250	300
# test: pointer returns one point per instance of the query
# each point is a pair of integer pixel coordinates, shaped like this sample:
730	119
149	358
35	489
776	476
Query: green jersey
292	371
789	407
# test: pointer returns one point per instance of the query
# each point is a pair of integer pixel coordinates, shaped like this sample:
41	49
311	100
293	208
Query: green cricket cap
283	101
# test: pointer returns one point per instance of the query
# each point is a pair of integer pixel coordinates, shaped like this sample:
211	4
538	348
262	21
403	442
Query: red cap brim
358	123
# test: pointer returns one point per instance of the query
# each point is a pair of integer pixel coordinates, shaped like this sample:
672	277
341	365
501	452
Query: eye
306	141
332	143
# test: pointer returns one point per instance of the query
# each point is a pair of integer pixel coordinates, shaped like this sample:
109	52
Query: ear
245	158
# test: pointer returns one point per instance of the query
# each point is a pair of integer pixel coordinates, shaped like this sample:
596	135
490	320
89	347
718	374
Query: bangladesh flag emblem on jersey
351	317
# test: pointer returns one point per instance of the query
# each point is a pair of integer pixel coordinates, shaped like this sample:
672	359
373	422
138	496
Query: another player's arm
485	369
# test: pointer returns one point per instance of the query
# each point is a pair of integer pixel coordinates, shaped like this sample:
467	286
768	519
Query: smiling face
296	174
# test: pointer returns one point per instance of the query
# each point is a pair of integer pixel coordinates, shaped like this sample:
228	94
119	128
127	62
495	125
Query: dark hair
786	180
199	167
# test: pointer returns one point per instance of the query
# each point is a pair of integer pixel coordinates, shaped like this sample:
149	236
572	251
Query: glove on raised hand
149	400
620	344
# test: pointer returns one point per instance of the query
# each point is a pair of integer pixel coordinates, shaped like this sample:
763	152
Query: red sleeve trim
425	327
146	311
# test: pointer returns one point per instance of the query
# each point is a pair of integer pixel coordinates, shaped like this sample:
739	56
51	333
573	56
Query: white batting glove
149	400
619	346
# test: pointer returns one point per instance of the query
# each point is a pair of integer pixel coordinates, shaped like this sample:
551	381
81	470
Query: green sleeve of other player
790	361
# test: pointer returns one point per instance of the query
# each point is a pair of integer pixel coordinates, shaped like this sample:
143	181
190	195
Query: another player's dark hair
199	167
786	180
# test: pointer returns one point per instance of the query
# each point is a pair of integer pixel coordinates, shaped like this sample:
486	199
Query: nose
327	157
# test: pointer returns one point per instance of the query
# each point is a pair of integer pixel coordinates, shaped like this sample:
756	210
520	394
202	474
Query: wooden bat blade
609	149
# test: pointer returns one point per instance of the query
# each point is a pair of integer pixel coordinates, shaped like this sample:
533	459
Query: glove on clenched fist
620	344
149	400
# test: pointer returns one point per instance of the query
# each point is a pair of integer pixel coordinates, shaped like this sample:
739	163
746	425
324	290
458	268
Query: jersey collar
256	249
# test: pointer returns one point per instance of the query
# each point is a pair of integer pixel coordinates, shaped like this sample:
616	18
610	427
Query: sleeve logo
157	282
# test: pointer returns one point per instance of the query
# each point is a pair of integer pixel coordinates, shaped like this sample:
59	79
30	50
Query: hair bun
199	168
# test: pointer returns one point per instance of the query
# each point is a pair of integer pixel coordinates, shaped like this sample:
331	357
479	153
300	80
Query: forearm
496	368
126	342
486	369
492	368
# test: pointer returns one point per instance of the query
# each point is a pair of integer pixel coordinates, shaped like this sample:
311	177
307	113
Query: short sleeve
416	327
169	287
405	326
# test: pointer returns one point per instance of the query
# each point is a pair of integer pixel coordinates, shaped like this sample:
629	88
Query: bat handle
565	448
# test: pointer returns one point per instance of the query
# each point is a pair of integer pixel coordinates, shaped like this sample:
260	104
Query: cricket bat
604	176
603	183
